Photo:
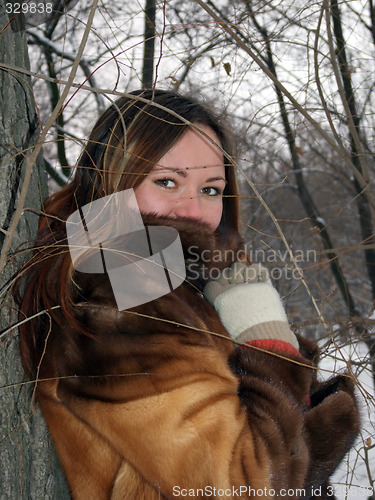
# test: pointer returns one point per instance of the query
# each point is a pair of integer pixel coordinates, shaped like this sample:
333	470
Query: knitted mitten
248	305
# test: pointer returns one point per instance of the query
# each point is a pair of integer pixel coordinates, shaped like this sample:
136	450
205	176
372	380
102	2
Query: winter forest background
296	81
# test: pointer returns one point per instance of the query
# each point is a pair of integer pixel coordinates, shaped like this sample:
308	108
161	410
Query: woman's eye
166	183
211	191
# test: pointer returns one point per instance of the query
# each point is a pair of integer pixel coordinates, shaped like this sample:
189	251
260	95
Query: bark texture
28	466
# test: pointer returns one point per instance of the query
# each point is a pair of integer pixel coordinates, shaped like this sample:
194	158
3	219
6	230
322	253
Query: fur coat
156	402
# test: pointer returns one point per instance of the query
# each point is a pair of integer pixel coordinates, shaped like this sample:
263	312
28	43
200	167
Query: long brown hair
124	145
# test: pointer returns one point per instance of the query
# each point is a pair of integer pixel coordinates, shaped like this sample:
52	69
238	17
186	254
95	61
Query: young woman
204	391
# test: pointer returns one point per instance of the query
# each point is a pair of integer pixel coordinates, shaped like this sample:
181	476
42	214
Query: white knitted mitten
248	305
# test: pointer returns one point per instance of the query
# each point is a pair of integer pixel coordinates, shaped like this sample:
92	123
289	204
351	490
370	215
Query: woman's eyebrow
172	169
184	172
220	178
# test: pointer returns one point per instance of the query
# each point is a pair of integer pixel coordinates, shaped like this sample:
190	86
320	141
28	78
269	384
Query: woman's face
187	182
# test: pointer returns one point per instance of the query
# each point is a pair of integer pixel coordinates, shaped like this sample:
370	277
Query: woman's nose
189	207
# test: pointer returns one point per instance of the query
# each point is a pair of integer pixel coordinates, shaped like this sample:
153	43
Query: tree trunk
28	465
149	44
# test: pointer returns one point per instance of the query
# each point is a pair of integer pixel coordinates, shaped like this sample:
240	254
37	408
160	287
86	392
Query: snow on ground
355	479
